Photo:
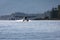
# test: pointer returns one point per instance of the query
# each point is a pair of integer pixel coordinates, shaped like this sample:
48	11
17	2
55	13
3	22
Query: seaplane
25	19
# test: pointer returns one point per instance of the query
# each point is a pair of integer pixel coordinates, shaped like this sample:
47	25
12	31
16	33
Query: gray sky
26	6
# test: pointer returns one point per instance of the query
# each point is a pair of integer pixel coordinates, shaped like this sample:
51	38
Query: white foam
22	21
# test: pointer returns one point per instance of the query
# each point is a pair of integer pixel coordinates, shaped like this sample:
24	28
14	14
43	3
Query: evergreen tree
59	11
54	13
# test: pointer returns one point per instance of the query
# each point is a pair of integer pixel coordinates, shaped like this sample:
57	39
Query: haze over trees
53	14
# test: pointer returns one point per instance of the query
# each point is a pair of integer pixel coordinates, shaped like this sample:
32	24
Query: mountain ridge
19	15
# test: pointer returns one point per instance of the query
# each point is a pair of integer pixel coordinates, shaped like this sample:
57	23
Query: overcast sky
26	6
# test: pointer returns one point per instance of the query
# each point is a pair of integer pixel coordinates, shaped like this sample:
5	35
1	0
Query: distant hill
19	15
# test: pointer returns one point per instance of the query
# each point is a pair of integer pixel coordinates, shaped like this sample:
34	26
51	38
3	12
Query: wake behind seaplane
25	19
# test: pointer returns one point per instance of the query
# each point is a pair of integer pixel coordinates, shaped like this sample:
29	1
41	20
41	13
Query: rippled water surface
34	30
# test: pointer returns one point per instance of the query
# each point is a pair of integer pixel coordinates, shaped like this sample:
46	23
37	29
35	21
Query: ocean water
33	30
